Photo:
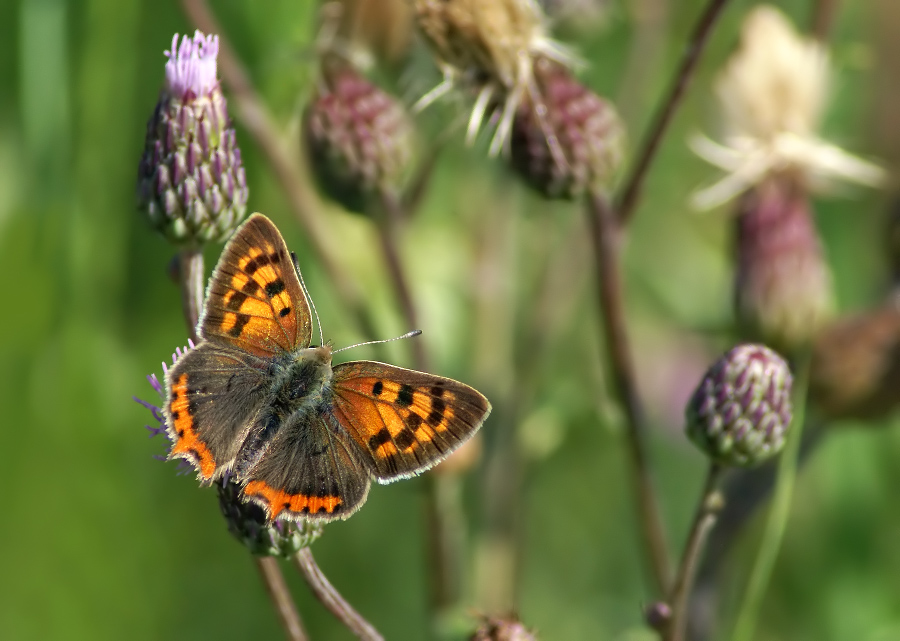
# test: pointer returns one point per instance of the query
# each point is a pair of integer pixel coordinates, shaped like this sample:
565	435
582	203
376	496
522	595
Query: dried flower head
772	93
191	182
490	48
741	411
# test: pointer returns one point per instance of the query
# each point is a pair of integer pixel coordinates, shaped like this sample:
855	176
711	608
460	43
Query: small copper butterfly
302	438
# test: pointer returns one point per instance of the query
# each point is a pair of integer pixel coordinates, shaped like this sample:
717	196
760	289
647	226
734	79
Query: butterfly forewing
255	301
213	395
407	421
311	470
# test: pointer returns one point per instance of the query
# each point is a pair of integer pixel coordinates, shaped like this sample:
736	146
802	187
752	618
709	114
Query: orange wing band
279	500
187	441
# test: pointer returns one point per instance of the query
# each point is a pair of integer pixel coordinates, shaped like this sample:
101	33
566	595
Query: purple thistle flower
191	180
191	69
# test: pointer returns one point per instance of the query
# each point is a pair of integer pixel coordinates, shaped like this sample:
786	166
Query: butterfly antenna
308	297
415	332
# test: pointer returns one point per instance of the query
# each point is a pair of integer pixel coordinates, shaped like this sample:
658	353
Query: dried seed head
566	139
358	138
783	289
191	181
741	411
772	94
488	48
250	525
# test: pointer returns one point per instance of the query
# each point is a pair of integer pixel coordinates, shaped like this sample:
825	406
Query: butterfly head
319	354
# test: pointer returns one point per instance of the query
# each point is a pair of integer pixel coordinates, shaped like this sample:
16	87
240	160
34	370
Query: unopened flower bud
741	411
358	138
783	292
250	525
566	140
502	629
191	181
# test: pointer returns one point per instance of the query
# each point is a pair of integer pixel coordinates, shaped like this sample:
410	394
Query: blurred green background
98	540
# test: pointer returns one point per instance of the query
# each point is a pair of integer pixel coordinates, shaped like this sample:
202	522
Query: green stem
704	519
778	513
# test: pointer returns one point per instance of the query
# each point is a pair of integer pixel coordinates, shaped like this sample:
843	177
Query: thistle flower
358	138
191	182
772	94
489	48
566	139
741	410
246	521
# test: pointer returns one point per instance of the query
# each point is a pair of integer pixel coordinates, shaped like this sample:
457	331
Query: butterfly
304	439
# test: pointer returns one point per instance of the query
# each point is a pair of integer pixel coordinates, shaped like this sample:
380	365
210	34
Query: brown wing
311	470
255	301
406	420
213	396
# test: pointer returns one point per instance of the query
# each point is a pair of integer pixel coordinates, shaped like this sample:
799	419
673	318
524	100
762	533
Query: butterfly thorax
300	386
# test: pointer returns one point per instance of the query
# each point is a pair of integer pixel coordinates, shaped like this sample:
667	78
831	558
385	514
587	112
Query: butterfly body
302	437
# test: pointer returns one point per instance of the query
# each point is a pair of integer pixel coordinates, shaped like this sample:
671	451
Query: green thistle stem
778	513
332	599
704	519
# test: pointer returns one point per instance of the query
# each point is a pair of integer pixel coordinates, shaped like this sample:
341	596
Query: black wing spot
377	388
405	396
405	439
260	261
235	300
239	324
251	287
284	312
175	416
437	391
413	421
383	436
274	288
437	412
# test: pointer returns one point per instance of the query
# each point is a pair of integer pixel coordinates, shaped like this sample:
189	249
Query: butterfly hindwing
255	301
406	421
310	470
213	396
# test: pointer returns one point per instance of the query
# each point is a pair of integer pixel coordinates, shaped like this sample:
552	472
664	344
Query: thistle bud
566	140
502	629
191	182
783	293
358	138
249	525
740	412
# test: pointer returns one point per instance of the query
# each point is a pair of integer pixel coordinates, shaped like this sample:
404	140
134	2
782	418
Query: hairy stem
704	520
281	598
778	513
606	236
630	193
191	276
331	598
